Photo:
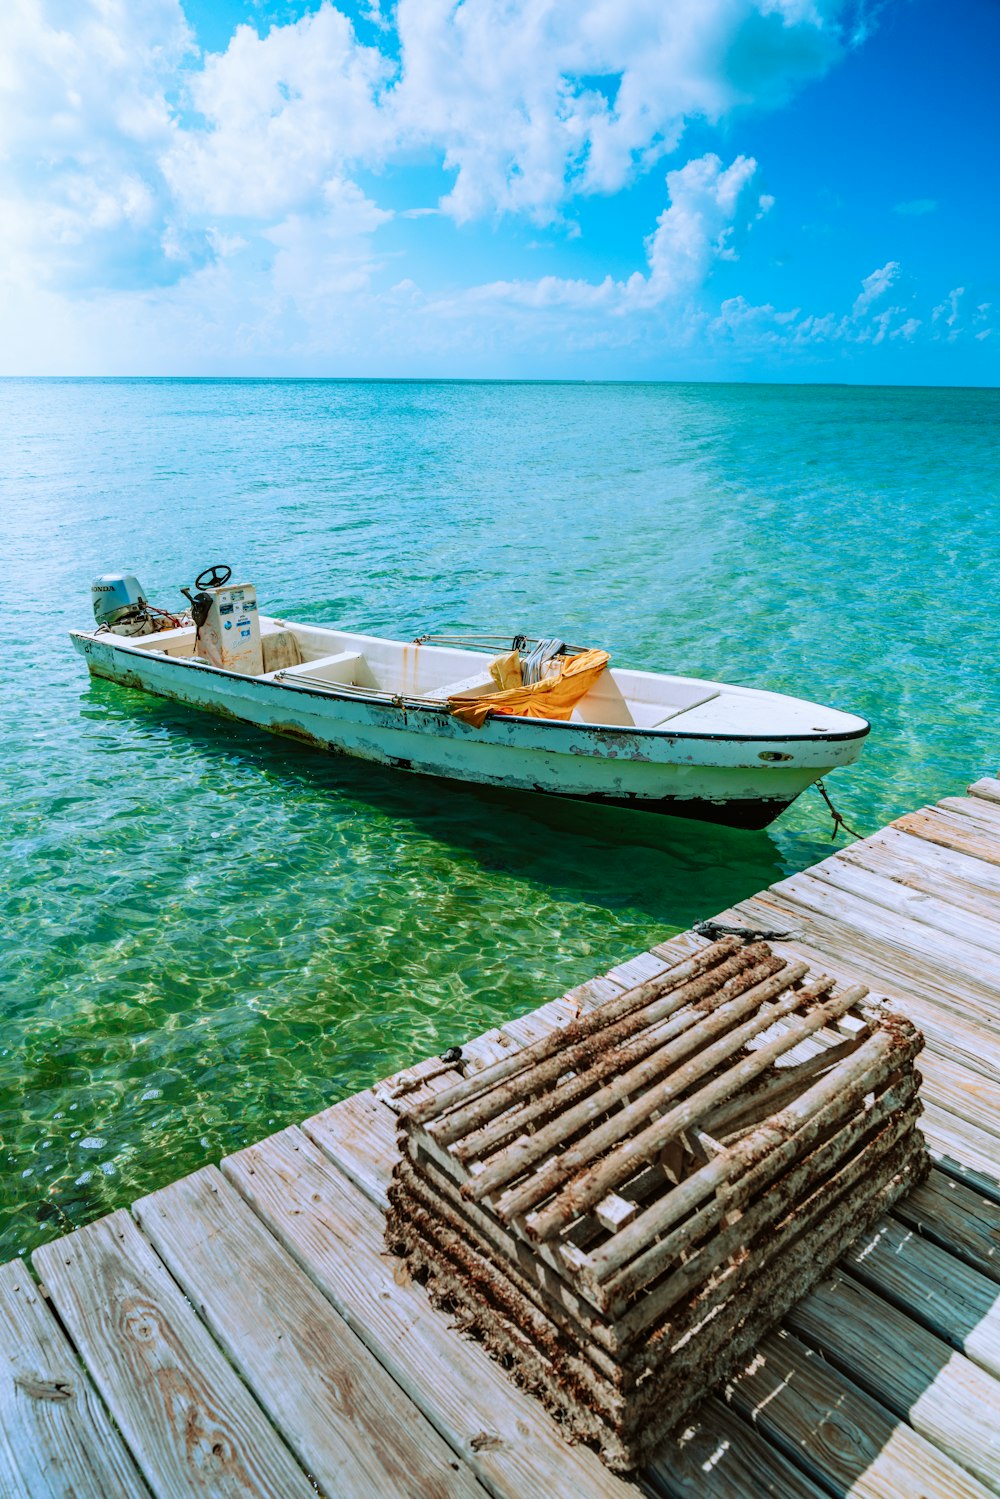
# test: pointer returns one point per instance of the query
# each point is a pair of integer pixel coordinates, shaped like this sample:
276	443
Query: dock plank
949	831
980	929
56	1440
959	1220
927	1283
189	1422
956	890
345	1418
336	1235
841	1437
892	848
963	1150
960	964
721	1457
987	787
942	1394
942	1009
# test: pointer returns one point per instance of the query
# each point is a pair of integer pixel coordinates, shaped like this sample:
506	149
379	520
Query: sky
789	190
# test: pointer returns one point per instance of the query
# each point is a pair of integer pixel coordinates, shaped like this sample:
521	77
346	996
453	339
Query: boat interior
308	656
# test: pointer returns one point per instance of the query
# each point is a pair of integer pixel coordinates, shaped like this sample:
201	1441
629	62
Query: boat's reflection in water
673	870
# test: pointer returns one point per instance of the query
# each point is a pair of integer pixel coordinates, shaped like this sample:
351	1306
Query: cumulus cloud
708	204
875	286
234	203
277	116
536	100
83	117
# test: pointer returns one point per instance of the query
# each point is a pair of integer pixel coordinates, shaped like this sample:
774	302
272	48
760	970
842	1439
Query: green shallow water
209	933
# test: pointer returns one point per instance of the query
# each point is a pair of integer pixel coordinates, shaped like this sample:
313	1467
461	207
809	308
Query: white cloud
875	286
83	114
280	113
536	100
707	204
163	209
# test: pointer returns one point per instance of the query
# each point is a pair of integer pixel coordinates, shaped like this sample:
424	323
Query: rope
715	929
838	821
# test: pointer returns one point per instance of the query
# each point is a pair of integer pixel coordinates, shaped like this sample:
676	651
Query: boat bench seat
480	681
349	668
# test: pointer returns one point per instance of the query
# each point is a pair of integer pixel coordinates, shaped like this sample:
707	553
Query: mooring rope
838	820
715	929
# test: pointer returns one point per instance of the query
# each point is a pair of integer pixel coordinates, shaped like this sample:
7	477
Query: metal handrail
490	642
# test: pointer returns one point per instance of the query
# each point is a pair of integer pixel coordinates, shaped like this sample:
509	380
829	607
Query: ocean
208	933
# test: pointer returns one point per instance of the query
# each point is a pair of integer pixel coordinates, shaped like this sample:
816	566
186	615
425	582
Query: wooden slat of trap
963	1222
336	1235
942	1394
56	1441
843	1438
346	1419
189	1422
927	1283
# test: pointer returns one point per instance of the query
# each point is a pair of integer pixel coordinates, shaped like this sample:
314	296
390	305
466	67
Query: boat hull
714	778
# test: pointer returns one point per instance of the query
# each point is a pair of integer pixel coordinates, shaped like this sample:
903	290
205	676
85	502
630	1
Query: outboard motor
120	604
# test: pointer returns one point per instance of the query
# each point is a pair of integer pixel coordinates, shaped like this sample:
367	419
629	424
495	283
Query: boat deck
242	1331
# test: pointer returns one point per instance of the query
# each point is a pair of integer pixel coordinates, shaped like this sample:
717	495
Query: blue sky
706	189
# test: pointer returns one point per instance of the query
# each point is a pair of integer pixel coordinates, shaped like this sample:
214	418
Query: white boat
672	744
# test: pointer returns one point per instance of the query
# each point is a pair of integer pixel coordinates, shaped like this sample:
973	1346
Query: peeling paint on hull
714	778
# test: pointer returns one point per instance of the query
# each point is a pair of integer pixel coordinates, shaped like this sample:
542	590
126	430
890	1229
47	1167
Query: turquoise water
209	933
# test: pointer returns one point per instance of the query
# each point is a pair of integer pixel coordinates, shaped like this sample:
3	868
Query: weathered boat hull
715	778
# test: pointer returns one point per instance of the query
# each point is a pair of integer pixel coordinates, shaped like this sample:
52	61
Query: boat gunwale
422	705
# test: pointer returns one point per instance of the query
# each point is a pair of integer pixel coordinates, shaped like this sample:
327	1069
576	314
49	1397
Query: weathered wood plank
980	930
963	1092
191	1425
335	1234
56	1441
943	1395
893	848
941	1293
721	1457
944	1007
960	1220
976	897
951	831
359	1135
842	1438
907	940
963	1150
345	1418
981	809
987	788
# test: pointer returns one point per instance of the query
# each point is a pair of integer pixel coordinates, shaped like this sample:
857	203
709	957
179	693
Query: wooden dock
242	1331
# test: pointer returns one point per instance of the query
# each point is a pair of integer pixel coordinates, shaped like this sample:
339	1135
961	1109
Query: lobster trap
622	1209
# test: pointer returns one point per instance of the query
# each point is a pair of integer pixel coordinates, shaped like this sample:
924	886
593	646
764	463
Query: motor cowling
119	603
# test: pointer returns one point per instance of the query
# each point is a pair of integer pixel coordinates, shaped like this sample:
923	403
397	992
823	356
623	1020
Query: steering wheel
213	577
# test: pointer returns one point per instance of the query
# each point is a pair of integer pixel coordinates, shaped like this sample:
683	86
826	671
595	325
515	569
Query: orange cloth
554	696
